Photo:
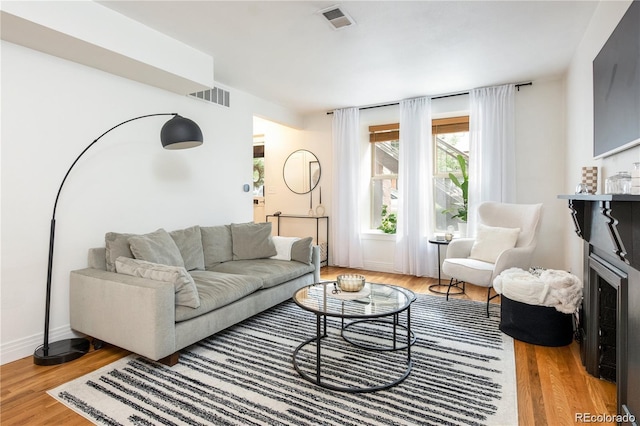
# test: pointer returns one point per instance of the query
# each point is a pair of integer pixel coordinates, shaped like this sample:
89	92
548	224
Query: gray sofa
158	293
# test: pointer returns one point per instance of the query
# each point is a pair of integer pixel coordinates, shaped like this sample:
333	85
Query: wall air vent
336	17
215	96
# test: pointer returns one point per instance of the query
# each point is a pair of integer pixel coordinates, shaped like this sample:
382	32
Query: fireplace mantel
609	225
610	222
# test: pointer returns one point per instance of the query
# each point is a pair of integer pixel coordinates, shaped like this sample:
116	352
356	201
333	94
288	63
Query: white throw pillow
184	286
283	247
491	241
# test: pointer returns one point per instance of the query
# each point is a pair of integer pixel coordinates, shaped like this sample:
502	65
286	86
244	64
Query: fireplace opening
607	308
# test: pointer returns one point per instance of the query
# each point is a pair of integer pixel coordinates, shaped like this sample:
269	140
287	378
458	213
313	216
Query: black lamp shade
180	133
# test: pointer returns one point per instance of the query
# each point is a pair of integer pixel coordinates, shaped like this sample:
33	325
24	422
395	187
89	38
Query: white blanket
558	289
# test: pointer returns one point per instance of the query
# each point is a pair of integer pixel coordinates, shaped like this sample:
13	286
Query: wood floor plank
552	384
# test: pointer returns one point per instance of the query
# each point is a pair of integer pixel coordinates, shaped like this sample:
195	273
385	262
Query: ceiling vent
214	95
337	18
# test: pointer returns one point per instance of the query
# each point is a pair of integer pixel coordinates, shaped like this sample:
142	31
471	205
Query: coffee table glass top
374	300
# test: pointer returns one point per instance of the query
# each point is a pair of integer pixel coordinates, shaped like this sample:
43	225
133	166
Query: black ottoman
539	325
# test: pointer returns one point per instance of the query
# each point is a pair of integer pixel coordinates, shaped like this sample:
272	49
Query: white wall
540	158
51	110
579	119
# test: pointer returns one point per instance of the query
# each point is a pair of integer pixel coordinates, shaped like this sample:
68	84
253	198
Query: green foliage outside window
389	221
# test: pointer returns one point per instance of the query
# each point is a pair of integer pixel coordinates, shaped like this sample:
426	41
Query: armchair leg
454	282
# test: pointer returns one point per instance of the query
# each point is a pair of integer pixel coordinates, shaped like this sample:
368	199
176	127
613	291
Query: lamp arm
55	205
53	222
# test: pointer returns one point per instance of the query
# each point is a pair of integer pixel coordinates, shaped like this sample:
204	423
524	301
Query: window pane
384	191
385	158
448	146
447	196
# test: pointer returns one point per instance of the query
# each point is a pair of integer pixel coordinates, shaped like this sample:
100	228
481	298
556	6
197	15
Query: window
450	139
384	176
450	143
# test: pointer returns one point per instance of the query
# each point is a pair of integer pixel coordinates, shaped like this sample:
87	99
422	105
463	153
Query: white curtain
492	148
413	254
345	244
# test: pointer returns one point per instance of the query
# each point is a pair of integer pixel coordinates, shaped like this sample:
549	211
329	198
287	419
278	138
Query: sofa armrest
133	313
315	259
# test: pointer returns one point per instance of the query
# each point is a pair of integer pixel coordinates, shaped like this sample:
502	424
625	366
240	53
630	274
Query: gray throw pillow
252	241
116	245
156	247
184	286
189	242
216	245
301	250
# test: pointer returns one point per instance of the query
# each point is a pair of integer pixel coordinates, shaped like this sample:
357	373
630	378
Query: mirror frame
290	184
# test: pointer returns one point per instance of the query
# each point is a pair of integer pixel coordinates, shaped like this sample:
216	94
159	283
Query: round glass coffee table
377	308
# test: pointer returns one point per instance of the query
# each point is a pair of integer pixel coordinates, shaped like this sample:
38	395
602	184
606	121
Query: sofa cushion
252	241
185	288
156	247
116	245
216	290
283	247
271	272
189	242
491	241
216	245
301	250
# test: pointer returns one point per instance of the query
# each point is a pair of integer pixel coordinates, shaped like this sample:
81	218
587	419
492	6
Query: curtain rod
433	97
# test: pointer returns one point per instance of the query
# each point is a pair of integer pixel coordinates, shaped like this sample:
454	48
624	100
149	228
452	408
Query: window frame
391	132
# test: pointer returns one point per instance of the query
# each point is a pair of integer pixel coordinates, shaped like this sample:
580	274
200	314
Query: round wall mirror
301	171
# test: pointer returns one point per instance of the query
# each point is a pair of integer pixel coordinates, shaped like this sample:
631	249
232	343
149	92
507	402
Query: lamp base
61	352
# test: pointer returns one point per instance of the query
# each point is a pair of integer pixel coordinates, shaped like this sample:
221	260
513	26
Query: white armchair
506	238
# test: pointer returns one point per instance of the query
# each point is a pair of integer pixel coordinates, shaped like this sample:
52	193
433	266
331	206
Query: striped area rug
463	373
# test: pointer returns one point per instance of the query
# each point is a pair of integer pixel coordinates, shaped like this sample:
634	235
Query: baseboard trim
26	346
379	267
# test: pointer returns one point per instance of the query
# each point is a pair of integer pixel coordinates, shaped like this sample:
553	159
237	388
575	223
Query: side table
435	288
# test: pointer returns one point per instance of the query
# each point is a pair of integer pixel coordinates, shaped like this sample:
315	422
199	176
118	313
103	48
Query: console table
324	251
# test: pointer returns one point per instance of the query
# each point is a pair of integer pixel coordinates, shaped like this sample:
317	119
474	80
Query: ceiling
287	53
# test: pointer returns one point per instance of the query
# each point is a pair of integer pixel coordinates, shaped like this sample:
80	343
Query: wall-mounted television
616	88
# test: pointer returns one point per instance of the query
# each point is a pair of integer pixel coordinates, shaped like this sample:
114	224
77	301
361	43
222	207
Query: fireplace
607	329
609	318
607	298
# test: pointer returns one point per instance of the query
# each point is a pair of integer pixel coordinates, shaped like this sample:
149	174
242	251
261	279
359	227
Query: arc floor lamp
177	133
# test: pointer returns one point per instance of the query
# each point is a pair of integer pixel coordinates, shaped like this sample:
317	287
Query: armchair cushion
469	270
491	241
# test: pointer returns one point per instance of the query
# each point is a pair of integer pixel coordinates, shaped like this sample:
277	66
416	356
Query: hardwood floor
552	384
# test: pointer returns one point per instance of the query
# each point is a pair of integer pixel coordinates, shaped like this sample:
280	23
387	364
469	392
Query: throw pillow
491	241
283	247
116	245
252	241
301	250
184	286
216	245
189	242
156	247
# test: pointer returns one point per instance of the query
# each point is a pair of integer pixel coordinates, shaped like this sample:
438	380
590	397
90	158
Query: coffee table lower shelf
322	333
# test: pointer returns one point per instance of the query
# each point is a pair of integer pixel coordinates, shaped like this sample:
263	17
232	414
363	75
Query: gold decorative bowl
350	282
